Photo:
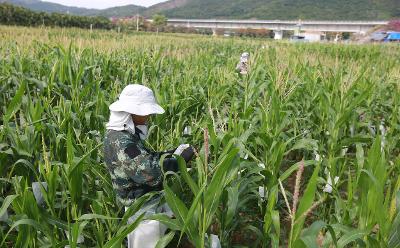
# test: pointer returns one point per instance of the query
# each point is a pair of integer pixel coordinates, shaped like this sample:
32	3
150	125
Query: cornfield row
302	152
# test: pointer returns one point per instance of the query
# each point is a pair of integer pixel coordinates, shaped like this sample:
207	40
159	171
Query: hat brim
137	109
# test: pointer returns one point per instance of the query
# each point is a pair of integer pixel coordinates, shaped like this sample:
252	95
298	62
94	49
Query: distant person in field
243	65
135	170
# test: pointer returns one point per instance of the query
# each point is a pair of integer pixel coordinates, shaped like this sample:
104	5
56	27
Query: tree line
15	15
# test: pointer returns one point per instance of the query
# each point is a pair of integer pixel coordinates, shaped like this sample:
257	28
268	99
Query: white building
313	36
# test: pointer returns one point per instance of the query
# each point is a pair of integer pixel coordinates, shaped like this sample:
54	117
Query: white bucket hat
138	100
245	57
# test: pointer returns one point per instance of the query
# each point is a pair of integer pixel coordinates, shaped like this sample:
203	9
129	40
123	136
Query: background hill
288	9
241	9
37	5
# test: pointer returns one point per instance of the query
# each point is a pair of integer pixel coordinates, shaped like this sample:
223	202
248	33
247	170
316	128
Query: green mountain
164	6
121	11
241	9
37	5
287	9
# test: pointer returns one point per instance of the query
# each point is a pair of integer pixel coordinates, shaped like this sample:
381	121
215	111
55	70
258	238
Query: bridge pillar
215	33
278	34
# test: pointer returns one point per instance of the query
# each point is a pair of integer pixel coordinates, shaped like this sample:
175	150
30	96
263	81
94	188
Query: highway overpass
279	26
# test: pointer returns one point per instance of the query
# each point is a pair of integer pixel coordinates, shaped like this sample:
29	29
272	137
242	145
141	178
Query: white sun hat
245	57
138	100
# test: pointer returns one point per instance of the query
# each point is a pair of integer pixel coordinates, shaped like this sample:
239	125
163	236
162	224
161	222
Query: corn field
301	152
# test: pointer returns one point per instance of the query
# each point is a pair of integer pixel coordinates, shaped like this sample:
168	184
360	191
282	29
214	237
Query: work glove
185	151
170	164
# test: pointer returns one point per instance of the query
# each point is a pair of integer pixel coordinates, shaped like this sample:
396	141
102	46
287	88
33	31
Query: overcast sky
102	4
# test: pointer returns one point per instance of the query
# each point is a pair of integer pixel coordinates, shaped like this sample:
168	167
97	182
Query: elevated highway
278	26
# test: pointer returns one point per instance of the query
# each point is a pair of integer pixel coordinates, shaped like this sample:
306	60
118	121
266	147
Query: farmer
135	170
242	66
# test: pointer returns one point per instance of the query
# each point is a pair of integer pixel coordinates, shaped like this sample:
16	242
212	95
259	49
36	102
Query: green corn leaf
15	103
277	225
345	116
80	161
180	211
306	202
268	216
123	232
172	224
189	218
394	237
96	217
54	221
309	235
233	199
137	204
214	189
177	206
165	240
70	149
349	237
294	168
28	165
39	83
6	203
28	222
185	175
307	144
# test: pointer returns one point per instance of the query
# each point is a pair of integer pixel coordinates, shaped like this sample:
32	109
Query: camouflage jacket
242	68
134	169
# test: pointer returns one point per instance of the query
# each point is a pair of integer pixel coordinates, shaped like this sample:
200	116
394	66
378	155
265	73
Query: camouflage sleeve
144	167
238	66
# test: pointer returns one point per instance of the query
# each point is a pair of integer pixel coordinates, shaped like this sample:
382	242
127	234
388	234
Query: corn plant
301	152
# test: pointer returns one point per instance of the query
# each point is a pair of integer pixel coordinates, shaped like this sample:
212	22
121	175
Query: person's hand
188	154
185	151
